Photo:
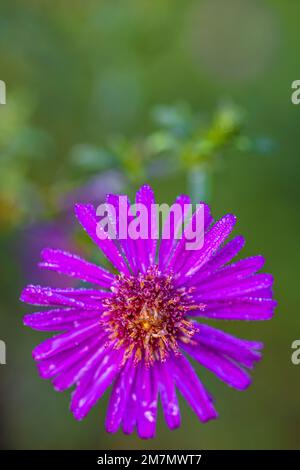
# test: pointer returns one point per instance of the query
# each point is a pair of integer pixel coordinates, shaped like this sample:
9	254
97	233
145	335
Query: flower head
135	329
147	315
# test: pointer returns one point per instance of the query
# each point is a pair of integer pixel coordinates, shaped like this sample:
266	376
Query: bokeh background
190	96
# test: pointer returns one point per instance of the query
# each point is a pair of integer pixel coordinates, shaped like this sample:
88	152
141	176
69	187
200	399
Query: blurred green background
83	79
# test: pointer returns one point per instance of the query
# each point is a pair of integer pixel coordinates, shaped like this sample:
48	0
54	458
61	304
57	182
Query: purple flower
135	329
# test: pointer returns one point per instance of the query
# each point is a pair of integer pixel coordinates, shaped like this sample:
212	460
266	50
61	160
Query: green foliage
182	142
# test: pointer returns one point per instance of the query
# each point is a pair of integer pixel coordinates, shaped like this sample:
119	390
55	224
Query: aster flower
136	329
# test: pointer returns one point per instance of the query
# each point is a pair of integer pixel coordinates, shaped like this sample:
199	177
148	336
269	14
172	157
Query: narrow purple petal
64	341
118	398
123	218
38	295
171	227
83	367
77	298
86	215
168	395
181	253
63	361
213	239
147	405
74	266
59	319
237	289
239	308
147	247
89	297
225	254
263	293
130	417
191	388
243	351
222	367
232	273
92	386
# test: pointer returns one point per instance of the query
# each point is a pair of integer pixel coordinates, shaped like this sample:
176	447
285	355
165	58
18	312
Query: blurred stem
199	183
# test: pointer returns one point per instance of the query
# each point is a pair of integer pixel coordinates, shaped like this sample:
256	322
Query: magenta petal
239	308
82	367
74	266
59	319
127	245
240	350
171	227
64	361
89	297
119	396
231	274
237	289
146	248
191	388
130	417
225	254
38	295
80	298
86	215
168	395
213	239
92	386
147	405
181	255
65	341
222	367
